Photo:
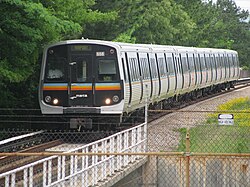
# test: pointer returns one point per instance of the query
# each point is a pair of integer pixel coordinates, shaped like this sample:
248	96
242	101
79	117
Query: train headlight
115	98
55	101
108	101
47	99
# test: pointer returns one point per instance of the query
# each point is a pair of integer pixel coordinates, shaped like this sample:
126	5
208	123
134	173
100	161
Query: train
95	78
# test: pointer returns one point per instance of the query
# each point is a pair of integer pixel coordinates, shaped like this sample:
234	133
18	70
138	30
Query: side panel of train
161	74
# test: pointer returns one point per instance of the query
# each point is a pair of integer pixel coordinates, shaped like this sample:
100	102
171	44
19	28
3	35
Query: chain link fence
185	148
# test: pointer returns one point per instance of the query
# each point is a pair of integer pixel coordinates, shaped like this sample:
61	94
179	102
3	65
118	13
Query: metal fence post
187	157
146	104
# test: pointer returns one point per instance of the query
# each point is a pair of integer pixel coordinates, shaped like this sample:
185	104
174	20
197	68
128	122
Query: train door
169	57
154	75
185	70
213	67
128	86
218	67
81	81
179	74
163	74
223	67
232	66
203	69
230	61
191	70
136	85
209	69
198	70
227	65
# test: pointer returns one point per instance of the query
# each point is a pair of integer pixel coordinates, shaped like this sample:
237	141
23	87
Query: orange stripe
81	87
55	88
108	88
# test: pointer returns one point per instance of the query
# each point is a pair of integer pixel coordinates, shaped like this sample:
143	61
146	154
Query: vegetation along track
163	133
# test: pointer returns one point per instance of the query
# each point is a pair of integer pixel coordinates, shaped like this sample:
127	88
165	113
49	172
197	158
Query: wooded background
26	26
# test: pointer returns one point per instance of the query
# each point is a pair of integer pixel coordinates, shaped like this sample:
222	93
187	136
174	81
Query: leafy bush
239	107
211	137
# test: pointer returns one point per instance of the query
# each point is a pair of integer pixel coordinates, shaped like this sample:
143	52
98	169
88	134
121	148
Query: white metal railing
86	170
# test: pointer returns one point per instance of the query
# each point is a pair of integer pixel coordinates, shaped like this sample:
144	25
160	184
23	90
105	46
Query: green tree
140	21
26	26
236	28
220	25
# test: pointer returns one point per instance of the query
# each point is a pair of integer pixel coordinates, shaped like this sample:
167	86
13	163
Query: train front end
81	77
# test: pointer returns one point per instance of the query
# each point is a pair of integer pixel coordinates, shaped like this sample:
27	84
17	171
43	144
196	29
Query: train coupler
78	123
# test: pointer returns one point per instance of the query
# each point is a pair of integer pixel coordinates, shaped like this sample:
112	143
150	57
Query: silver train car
96	78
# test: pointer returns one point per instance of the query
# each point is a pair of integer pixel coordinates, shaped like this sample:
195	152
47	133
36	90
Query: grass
212	137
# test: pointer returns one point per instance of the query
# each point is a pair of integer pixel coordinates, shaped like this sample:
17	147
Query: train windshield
81	70
81	63
55	69
107	70
56	62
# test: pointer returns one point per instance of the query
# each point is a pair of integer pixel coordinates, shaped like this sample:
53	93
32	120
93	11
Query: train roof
145	47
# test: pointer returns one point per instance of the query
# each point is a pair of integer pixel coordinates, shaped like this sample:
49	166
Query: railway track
8	163
47	141
20	142
158	113
31	119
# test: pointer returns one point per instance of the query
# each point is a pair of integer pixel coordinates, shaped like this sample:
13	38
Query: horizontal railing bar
19	137
93	154
221	154
125	153
203	111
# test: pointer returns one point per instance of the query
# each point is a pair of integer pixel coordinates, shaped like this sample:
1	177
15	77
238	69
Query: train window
212	62
165	63
162	67
197	63
55	68
81	68
202	61
170	63
218	64
137	69
124	71
226	60
191	62
139	66
153	67
145	68
107	70
184	63
230	60
134	69
188	65
222	61
208	62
